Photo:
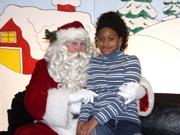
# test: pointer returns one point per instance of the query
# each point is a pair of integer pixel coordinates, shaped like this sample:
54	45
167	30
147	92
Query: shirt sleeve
115	108
84	114
132	69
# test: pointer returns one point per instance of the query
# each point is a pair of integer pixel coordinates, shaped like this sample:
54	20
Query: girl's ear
120	41
96	43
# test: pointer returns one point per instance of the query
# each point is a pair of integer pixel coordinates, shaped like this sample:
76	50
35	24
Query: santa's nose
79	47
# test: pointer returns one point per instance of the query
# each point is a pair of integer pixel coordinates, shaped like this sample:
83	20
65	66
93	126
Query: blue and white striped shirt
105	75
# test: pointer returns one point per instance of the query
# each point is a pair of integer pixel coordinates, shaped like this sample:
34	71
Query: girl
109	114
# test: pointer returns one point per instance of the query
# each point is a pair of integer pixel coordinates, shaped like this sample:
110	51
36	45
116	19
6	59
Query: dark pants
113	127
123	127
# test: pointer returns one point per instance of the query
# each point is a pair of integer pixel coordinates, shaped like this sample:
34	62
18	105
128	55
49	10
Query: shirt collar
113	55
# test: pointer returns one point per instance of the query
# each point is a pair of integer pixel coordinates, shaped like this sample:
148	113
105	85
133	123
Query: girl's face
76	45
108	41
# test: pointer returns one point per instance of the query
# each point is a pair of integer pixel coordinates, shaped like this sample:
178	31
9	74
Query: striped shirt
105	75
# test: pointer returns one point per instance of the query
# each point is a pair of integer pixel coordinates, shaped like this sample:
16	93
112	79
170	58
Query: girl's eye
100	39
111	38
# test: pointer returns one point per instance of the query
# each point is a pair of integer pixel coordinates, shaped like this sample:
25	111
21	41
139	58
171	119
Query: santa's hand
131	91
82	95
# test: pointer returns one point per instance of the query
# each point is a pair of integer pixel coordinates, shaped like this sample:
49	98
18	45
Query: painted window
8	37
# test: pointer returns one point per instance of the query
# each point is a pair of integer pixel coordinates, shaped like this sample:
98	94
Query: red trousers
38	128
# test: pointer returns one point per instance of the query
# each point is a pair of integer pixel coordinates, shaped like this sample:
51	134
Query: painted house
15	50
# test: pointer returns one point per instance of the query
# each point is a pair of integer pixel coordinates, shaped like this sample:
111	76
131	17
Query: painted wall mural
153	24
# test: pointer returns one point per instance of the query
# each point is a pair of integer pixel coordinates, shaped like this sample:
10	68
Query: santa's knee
24	130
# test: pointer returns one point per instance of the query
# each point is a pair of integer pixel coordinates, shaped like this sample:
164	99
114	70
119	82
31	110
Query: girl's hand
85	128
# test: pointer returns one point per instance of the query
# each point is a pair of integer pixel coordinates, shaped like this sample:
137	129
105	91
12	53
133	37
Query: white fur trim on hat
71	34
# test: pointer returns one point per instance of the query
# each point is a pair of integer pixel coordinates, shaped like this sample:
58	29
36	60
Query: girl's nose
105	41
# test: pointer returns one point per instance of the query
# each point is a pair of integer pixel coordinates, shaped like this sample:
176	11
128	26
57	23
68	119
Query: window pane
8	37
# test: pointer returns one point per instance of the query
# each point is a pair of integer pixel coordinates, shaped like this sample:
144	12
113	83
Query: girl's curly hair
114	21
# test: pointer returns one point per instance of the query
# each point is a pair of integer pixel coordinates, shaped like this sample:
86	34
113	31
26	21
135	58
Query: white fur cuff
57	108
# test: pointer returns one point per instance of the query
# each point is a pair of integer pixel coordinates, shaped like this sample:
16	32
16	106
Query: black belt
75	116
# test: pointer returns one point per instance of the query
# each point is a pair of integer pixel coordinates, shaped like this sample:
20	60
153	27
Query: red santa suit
56	81
56	88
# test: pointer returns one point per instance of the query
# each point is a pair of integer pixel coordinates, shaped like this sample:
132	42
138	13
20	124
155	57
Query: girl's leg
128	128
101	130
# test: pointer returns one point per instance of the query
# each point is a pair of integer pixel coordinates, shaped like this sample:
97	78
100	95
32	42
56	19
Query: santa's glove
82	95
131	91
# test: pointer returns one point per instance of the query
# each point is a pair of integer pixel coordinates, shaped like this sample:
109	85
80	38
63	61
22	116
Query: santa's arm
36	91
141	92
146	103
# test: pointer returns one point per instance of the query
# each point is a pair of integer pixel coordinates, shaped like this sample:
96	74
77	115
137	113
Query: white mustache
78	55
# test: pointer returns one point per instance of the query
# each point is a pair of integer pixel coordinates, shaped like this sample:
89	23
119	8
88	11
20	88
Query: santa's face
77	45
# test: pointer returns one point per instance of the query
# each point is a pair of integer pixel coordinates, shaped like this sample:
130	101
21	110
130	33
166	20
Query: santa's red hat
75	24
71	31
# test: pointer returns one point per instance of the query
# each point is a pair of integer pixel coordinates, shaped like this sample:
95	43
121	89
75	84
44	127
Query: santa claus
57	86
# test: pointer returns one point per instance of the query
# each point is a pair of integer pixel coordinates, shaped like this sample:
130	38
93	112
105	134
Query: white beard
70	70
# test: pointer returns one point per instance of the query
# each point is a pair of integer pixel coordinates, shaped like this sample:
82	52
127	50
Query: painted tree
138	14
172	9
